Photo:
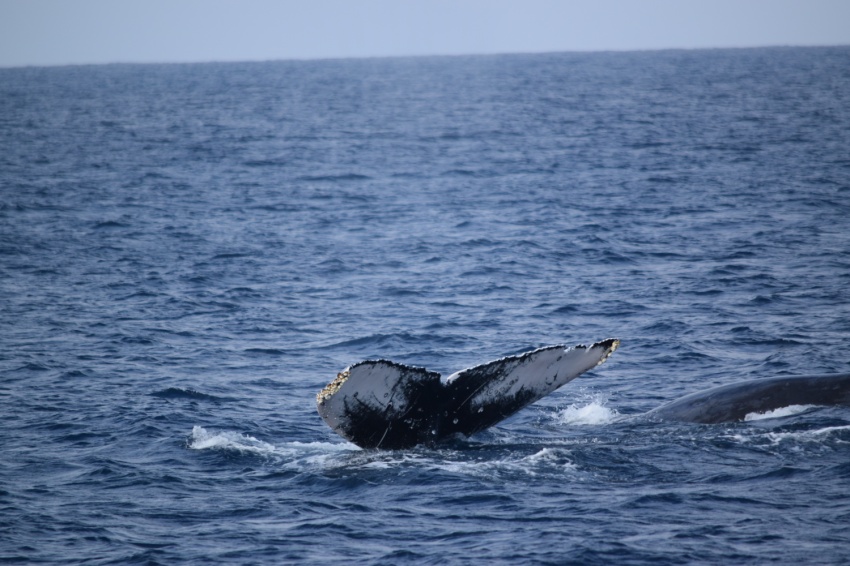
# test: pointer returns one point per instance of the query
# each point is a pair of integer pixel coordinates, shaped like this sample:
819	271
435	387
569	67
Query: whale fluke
383	404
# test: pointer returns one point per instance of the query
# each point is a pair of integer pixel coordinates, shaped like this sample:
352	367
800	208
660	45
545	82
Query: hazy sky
54	32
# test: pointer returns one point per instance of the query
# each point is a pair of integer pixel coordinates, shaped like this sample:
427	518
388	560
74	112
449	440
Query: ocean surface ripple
188	253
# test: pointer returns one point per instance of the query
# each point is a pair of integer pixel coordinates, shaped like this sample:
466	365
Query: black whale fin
730	403
382	404
479	397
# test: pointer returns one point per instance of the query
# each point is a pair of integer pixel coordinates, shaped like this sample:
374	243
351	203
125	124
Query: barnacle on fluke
332	387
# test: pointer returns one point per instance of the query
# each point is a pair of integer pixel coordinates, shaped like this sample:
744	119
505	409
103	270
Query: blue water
188	253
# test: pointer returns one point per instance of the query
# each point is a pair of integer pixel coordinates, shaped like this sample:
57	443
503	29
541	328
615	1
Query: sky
61	32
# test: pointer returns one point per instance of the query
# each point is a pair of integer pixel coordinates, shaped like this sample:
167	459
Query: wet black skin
730	403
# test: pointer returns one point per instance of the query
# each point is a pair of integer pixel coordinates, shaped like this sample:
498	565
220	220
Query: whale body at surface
730	403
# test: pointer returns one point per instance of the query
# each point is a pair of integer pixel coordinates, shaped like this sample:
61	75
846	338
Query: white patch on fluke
541	371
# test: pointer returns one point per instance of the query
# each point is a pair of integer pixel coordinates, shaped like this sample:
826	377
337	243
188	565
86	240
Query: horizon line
420	56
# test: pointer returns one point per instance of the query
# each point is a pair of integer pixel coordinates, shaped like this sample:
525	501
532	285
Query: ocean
189	253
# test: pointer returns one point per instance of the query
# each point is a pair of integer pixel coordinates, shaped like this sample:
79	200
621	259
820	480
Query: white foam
818	435
306	456
778	413
593	413
545	461
203	440
297	454
805	435
549	456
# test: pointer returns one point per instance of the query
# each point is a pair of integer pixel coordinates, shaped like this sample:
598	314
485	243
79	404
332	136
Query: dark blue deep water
188	253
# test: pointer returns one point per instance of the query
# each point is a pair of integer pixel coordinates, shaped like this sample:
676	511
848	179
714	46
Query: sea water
189	253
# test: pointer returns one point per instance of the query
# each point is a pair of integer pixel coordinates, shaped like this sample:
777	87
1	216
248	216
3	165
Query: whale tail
383	404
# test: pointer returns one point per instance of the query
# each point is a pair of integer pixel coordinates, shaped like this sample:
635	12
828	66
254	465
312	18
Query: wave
299	456
795	437
520	461
398	338
110	225
335	178
465	458
265	351
180	393
203	440
814	435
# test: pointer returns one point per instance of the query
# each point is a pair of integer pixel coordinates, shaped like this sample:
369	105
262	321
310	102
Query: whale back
730	403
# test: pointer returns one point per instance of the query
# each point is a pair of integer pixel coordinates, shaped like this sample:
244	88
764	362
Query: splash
201	439
593	413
